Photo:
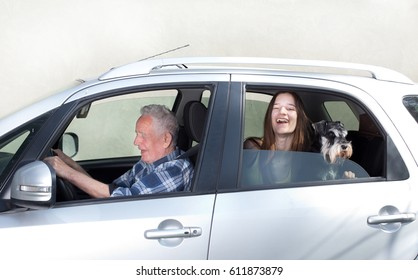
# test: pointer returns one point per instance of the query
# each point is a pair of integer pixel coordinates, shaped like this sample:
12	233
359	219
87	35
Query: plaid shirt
167	174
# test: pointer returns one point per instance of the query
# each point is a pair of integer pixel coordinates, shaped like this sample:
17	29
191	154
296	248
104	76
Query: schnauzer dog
330	141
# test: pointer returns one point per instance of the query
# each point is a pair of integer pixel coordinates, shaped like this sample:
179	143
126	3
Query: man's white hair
164	120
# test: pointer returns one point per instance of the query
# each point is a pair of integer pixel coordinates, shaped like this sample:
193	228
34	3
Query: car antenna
172	50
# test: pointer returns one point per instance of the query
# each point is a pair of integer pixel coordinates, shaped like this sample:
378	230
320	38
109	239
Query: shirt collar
171	156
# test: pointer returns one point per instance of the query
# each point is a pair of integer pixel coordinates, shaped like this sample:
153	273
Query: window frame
336	94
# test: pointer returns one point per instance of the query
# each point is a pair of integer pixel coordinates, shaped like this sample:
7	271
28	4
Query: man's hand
76	175
60	167
69	161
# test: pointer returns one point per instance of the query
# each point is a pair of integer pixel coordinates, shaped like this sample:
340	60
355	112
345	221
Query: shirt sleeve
166	177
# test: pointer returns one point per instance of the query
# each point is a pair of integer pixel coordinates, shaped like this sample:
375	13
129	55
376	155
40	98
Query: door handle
394	218
390	219
173	233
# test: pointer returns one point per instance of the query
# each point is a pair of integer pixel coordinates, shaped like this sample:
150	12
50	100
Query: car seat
368	146
194	117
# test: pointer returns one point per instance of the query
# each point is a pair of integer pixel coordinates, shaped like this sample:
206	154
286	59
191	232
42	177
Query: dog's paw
349	175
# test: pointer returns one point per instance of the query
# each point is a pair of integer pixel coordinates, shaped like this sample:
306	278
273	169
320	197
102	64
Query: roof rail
146	66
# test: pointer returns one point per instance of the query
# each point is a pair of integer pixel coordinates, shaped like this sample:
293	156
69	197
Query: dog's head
331	136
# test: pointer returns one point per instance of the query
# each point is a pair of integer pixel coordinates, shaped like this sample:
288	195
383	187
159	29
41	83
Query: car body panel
319	222
107	230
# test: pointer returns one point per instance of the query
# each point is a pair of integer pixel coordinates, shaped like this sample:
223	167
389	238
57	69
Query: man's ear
168	139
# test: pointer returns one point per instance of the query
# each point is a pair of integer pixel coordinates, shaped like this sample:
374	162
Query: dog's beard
347	152
332	152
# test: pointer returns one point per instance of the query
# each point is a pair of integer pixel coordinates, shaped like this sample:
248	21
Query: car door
157	228
361	218
161	226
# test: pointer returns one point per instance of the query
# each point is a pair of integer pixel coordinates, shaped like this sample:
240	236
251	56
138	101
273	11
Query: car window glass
9	150
205	98
15	143
255	108
12	145
340	111
411	104
264	168
107	130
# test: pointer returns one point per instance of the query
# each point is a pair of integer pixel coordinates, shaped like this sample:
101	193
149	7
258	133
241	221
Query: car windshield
9	150
13	144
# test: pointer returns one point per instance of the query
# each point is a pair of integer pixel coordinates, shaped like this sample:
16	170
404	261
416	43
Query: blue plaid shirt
167	174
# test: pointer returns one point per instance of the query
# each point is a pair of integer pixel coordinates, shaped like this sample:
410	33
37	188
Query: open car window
275	168
106	128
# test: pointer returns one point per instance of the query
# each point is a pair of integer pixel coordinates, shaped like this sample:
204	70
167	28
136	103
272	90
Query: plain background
46	45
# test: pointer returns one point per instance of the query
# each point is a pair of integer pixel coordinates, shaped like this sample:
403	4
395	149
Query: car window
411	104
263	168
255	108
106	129
205	98
341	111
9	150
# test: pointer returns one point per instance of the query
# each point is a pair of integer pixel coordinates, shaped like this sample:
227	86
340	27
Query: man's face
152	143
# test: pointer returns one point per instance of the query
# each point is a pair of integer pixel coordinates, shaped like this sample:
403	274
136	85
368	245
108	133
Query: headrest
194	119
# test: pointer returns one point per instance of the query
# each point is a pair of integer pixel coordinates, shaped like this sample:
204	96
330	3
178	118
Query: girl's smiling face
284	115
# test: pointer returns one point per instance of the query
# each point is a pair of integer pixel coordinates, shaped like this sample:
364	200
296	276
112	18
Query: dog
330	140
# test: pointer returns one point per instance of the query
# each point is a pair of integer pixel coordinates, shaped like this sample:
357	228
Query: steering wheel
65	190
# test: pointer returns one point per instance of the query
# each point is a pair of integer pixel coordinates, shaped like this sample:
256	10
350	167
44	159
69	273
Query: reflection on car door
112	230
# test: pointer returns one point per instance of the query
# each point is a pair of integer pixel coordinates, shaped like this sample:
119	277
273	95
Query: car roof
330	70
252	64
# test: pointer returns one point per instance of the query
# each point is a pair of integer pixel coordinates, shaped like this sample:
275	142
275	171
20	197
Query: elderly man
159	170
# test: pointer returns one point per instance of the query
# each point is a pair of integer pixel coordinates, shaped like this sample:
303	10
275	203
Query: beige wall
45	45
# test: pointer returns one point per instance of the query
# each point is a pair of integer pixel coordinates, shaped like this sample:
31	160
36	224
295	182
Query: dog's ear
320	126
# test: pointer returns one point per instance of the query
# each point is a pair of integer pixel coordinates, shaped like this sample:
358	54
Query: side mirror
69	144
34	186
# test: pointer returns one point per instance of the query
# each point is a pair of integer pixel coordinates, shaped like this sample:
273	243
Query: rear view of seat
194	116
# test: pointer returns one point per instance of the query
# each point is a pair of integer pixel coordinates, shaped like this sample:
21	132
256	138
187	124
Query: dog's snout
344	147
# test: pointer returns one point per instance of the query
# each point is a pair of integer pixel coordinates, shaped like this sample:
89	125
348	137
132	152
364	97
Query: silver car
225	215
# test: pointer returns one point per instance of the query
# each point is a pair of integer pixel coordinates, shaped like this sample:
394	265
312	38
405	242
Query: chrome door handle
394	218
173	233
